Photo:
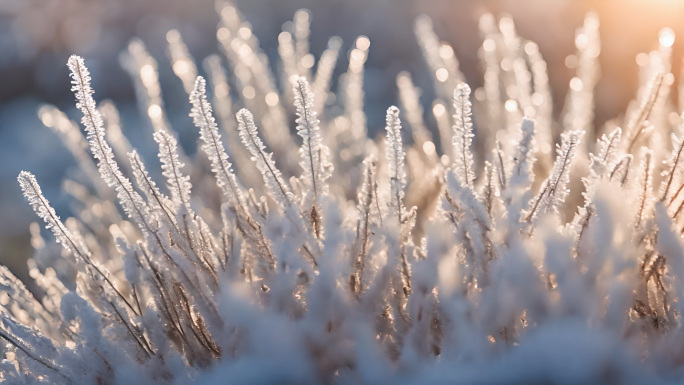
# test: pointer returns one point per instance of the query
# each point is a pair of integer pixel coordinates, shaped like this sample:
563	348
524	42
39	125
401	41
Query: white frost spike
177	183
463	135
395	159
555	188
312	153
646	201
489	193
607	154
501	165
132	203
397	173
312	149
264	161
42	207
600	168
524	154
602	163
368	192
201	114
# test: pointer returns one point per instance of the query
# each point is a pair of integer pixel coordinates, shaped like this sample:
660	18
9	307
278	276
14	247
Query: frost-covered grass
446	255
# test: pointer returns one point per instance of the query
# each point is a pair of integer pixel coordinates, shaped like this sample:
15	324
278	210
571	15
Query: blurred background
37	37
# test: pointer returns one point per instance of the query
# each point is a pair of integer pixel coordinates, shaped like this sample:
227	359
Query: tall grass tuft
295	249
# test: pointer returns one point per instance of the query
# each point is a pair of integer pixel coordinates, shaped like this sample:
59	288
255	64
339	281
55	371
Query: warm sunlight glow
666	37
